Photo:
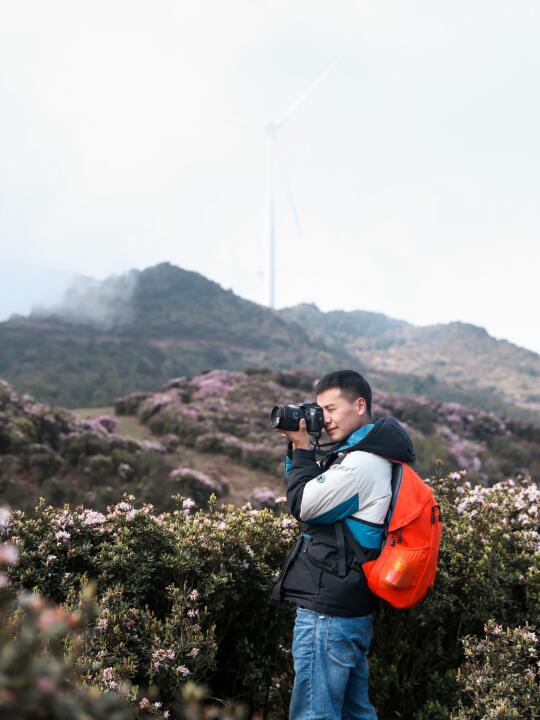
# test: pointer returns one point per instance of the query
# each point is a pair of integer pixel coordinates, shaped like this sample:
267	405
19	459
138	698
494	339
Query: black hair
351	384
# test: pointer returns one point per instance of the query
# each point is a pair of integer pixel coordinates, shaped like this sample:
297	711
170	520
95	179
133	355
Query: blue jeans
331	667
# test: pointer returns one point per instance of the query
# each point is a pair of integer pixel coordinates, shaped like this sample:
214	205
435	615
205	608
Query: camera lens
276	415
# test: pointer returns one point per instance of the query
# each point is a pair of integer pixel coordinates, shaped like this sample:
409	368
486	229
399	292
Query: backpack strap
277	591
362	554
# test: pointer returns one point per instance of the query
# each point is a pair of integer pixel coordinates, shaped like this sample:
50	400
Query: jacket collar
386	437
355	437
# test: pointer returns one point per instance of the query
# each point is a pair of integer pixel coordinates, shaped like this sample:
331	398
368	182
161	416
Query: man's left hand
299	438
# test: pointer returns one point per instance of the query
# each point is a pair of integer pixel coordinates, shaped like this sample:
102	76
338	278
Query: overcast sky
130	134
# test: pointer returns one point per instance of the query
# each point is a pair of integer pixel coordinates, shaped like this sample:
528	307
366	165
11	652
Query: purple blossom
92	517
9	555
162	657
153	445
5	515
62	536
123	507
107	676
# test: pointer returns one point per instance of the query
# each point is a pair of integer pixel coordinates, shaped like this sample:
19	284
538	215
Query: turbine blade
288	188
284	115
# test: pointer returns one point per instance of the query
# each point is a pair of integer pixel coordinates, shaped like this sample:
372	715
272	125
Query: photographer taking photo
347	492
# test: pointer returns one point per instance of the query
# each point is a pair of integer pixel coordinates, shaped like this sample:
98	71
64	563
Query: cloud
106	304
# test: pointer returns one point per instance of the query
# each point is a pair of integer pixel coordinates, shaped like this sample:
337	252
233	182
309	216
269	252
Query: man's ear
361	405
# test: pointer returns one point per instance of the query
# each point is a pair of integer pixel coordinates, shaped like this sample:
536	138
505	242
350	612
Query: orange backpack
404	571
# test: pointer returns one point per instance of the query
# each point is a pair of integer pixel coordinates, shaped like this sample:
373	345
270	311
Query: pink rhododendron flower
5	515
9	555
62	536
162	657
91	517
123	507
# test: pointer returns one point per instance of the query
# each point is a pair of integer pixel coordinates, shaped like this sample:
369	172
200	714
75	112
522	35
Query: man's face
341	416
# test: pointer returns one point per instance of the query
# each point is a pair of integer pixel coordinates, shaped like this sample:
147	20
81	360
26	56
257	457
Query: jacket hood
389	439
386	437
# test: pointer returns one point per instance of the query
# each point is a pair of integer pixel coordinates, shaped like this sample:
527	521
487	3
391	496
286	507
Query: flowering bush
181	595
36	678
489	567
227	412
500	677
197	485
184	595
52	453
489	447
43	663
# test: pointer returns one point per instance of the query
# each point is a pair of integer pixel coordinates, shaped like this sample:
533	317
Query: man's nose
327	419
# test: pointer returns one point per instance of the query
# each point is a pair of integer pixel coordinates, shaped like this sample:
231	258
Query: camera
287	417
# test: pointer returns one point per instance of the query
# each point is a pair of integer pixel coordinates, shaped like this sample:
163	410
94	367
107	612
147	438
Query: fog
131	134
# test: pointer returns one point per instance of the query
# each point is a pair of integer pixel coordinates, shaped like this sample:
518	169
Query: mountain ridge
132	331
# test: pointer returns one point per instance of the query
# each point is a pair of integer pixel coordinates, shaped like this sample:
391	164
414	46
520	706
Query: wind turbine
272	130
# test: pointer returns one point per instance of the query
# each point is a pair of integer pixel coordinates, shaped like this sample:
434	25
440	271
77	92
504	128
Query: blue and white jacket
352	483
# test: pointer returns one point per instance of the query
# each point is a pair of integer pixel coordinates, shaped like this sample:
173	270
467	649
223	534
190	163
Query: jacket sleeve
288	460
320	498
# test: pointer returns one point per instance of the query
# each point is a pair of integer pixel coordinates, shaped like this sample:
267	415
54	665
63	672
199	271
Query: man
334	619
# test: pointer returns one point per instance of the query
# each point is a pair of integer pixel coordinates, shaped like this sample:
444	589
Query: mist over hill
134	331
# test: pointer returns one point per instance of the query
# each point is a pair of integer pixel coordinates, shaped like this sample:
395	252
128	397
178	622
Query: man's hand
299	438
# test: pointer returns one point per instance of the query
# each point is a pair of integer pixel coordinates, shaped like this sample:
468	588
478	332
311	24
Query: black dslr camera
287	417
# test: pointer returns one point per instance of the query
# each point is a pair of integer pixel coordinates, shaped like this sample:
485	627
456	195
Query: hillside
458	356
94	458
228	412
211	433
135	331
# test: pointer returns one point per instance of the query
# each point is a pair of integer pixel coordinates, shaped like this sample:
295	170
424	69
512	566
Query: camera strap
317	447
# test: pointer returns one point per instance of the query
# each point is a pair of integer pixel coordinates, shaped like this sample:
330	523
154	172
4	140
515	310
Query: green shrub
57	664
37	679
194	585
221	564
500	677
489	567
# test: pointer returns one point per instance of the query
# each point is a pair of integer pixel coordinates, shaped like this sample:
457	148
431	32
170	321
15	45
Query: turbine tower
272	130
